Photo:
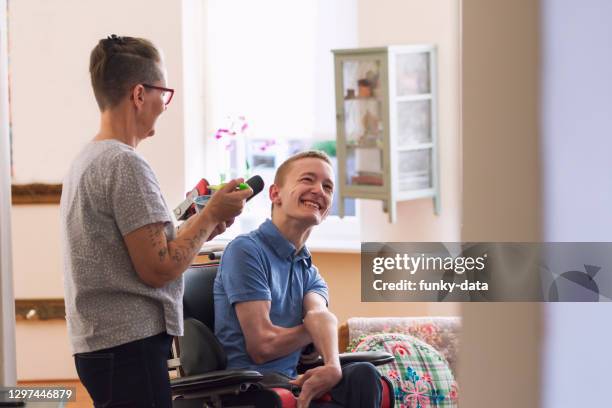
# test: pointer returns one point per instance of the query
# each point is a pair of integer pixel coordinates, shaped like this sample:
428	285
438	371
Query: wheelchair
201	378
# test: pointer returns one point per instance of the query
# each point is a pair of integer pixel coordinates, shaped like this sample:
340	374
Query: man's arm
323	328
264	340
158	262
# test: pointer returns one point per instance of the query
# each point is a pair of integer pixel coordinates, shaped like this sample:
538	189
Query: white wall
54	114
43	351
37	262
53	109
391	22
193	95
577	124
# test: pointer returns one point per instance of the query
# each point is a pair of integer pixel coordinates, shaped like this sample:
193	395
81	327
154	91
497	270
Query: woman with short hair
123	258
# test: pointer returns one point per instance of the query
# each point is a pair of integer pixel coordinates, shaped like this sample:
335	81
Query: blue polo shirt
263	265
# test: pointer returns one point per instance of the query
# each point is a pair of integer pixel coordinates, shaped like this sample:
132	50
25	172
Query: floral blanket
421	376
440	332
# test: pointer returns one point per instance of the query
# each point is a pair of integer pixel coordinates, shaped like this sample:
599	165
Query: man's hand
316	382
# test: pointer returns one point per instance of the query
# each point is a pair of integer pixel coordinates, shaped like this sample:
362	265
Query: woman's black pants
134	374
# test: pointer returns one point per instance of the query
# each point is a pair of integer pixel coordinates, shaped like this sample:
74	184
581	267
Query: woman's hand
227	203
158	262
220	228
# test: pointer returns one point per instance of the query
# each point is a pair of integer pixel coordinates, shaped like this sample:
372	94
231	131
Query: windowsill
214	245
314	245
342	247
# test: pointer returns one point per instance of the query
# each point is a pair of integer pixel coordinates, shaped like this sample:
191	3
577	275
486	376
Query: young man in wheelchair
271	302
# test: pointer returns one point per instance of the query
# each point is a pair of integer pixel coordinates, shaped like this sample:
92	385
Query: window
269	86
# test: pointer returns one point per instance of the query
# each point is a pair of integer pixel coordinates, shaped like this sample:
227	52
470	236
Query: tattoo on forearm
181	250
179	255
162	254
154	233
191	242
187	248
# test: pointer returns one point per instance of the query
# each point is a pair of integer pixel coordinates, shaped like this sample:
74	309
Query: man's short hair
283	169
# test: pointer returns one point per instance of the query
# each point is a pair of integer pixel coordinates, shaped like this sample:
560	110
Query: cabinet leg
391	209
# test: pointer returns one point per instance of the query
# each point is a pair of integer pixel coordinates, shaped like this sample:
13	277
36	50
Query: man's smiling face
306	191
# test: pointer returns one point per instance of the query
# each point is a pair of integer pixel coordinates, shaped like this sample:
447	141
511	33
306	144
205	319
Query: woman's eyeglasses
167	93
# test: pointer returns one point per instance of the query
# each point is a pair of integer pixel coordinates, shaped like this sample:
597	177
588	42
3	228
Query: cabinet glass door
413	123
363	122
414	170
412	74
413	101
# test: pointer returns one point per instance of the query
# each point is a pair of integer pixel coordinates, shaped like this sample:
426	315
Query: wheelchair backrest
198	300
200	351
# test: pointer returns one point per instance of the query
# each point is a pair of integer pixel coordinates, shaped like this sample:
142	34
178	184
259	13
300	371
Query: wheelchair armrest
375	357
215	380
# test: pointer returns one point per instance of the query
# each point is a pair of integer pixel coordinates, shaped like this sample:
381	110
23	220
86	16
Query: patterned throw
420	374
440	332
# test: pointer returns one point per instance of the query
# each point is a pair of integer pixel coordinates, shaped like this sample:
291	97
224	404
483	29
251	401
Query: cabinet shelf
364	145
420	146
410	98
362	99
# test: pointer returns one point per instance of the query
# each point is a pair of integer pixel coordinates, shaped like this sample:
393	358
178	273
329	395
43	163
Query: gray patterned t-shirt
110	191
